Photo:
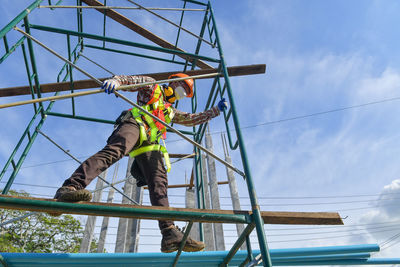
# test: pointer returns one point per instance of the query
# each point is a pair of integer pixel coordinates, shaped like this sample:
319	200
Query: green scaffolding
197	62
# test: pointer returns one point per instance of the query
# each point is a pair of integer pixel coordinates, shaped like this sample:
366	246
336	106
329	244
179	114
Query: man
138	135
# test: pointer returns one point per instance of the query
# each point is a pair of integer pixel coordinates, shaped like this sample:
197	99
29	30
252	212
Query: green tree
40	233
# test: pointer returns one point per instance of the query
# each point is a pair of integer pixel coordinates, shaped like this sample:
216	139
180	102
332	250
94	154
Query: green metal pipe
246	232
18	145
116	210
250	186
3	261
199	195
118	41
184	238
71	78
33	63
79	15
29	75
66	65
79	117
5	43
12	49
179	28
95	120
104	23
195	2
19	17
250	255
23	156
28	146
134	54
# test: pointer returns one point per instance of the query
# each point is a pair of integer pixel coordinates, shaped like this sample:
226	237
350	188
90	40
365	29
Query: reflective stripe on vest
155	130
149	148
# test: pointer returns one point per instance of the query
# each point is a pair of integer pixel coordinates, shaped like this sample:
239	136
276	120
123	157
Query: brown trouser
119	144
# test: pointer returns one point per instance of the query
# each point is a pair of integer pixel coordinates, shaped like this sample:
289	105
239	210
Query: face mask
180	92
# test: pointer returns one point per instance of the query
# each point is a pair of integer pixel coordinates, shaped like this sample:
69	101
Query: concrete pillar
91	220
190	203
234	196
132	240
123	222
104	225
212	174
208	227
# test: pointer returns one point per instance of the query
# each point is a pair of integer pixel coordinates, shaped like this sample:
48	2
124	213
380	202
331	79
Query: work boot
70	194
172	238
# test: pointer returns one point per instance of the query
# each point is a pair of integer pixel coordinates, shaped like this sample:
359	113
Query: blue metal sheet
334	255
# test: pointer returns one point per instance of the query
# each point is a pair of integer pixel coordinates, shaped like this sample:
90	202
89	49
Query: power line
323	203
49	163
307	115
259	197
244	205
324	112
327	237
385	244
396	227
329	227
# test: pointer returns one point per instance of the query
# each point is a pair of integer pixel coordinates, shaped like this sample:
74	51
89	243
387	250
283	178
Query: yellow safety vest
151	130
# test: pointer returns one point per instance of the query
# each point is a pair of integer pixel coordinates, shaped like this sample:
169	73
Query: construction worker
138	135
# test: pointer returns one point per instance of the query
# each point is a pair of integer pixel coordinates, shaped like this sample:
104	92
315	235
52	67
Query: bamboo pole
96	91
123	87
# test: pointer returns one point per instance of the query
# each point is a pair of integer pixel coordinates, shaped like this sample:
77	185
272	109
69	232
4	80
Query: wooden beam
86	84
143	32
155	212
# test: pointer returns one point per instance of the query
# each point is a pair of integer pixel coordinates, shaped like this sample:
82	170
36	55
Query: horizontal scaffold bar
121	19
156	213
189	56
86	84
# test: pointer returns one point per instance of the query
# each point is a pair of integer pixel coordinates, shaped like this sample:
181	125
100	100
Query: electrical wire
326	237
259	197
307	115
261	204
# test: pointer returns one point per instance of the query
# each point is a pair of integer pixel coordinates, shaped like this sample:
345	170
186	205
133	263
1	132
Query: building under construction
183	38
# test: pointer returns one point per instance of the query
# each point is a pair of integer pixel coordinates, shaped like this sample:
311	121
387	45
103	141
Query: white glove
109	85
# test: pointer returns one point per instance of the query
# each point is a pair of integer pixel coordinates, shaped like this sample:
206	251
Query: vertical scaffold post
256	217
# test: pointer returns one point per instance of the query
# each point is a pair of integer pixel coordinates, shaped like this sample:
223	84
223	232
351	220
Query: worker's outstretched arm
191	119
110	84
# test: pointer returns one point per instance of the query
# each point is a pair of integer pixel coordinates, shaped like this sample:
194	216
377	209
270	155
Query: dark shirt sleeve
134	79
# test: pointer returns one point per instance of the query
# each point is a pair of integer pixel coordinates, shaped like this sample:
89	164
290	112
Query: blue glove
109	85
222	104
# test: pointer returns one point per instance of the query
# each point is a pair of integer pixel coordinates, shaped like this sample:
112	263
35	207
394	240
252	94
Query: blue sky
320	55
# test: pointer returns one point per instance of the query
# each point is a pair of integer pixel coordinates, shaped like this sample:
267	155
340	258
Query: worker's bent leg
152	166
119	144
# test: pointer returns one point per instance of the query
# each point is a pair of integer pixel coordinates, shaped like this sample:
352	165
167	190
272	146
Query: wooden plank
86	84
269	217
179	156
143	32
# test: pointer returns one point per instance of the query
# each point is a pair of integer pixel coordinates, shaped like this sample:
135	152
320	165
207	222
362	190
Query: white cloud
386	212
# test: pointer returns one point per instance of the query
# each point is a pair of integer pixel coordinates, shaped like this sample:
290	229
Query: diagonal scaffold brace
125	87
99	176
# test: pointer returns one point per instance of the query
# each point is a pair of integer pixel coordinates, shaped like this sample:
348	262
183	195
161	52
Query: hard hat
189	82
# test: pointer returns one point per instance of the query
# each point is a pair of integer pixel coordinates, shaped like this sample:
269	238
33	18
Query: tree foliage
40	232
